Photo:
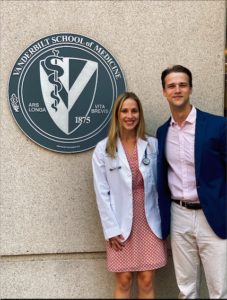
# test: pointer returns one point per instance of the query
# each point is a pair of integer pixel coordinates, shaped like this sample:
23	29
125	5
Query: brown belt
188	205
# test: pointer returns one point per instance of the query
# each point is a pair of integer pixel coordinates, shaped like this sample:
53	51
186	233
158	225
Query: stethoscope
145	160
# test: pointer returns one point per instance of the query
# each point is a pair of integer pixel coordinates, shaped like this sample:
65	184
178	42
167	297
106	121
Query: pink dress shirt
179	151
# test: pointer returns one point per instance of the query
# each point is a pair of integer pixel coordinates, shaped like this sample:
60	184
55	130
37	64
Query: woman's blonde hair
115	127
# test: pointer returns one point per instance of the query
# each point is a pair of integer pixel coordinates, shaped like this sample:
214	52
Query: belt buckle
192	205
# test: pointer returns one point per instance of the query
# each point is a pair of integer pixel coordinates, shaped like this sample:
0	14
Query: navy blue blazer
210	171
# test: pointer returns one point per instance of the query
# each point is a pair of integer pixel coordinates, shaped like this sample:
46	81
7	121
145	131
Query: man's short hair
176	69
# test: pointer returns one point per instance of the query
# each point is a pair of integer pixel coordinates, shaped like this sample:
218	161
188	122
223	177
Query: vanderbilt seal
61	92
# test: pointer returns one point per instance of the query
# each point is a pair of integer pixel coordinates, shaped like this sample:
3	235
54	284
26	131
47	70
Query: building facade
52	244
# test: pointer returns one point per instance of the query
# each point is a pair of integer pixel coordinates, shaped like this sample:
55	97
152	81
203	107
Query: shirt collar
190	119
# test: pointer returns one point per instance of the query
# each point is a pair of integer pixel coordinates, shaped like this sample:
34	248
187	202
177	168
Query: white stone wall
52	243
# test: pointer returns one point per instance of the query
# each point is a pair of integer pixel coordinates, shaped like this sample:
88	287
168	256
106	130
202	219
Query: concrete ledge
68	278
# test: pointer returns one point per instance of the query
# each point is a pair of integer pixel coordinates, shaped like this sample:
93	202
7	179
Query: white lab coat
114	188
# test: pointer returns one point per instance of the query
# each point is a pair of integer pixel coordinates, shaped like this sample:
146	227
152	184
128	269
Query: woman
125	177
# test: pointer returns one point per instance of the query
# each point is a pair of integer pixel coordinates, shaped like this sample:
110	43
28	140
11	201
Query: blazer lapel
162	139
121	154
141	146
200	129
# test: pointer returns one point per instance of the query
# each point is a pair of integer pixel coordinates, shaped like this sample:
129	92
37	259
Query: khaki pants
193	241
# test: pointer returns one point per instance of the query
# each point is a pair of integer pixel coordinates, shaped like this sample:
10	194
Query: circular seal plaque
62	89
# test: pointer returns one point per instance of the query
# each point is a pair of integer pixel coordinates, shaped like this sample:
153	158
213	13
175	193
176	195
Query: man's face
177	90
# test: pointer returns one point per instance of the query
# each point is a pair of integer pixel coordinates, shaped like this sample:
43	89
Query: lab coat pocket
153	159
153	167
148	180
152	155
111	163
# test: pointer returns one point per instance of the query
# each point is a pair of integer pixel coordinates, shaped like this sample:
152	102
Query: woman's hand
115	242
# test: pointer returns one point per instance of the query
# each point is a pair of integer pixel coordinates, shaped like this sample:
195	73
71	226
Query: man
192	188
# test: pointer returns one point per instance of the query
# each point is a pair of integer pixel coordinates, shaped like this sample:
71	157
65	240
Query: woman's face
129	115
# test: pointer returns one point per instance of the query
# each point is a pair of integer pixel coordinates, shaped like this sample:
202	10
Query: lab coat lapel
121	154
141	146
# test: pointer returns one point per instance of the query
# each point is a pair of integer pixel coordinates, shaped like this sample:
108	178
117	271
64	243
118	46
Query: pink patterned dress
143	250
